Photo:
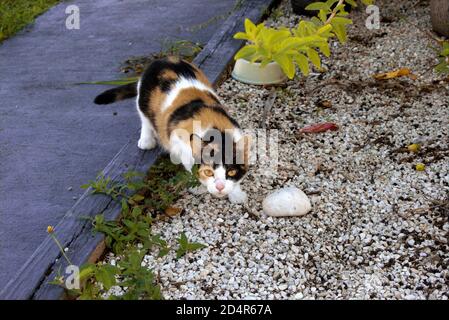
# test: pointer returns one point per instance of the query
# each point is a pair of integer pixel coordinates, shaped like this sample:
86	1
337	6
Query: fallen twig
267	108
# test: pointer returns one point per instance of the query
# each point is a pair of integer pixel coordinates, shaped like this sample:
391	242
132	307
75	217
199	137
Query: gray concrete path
52	137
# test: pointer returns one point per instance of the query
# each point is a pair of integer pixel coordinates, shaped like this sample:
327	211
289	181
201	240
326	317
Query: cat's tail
116	94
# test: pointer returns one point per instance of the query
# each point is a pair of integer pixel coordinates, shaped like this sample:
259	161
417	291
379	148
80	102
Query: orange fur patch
168	75
207	117
202	170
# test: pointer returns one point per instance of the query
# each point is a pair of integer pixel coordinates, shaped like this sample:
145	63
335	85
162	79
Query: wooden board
75	231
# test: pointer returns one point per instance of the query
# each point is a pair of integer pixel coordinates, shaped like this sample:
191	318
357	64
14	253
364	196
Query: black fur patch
192	108
223	112
151	79
240	169
166	85
106	97
116	94
186	111
219	154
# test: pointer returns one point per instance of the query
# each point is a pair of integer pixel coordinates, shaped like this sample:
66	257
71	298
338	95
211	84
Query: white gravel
378	228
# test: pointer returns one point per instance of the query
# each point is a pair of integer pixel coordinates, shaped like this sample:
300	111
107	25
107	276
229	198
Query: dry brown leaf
172	211
326	104
319	127
395	74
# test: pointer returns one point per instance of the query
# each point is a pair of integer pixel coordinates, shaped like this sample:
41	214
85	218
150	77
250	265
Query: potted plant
271	55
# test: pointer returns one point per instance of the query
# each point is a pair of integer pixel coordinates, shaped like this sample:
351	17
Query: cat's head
224	161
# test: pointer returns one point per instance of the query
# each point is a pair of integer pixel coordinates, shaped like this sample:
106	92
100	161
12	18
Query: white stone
283	286
288	201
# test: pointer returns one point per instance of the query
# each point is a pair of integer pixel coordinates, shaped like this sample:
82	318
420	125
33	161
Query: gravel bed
378	228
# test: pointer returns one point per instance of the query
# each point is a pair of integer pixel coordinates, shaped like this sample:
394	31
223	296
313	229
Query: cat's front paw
237	196
146	143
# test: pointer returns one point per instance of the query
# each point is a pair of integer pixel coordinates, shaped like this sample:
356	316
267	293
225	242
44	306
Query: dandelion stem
61	249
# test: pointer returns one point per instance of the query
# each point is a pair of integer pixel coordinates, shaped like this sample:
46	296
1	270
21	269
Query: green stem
61	249
334	12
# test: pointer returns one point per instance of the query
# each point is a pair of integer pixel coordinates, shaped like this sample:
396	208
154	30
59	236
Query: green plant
268	45
97	279
443	58
118	82
51	232
183	48
16	14
298	46
186	246
131	237
277	13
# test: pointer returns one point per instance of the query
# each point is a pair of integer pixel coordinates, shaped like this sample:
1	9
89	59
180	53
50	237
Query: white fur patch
237	195
181	84
220	173
147	139
211	182
180	152
147	133
237	135
138	94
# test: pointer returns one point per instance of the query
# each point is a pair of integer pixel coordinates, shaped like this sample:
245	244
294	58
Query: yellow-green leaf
277	36
324	48
340	32
445	51
264	62
324	31
246	52
249	26
340	20
286	63
318	6
137	197
314	57
317	22
303	63
322	15
368	2
352	3
256	57
241	36
86	271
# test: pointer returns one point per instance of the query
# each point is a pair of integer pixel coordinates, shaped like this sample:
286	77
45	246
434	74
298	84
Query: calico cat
179	109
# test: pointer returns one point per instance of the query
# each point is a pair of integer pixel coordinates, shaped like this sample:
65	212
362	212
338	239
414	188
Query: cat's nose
219	185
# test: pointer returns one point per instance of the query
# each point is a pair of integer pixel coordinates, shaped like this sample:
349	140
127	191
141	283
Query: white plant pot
247	72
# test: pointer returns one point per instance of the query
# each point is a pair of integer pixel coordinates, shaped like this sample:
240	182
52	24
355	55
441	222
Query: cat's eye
232	173
208	172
